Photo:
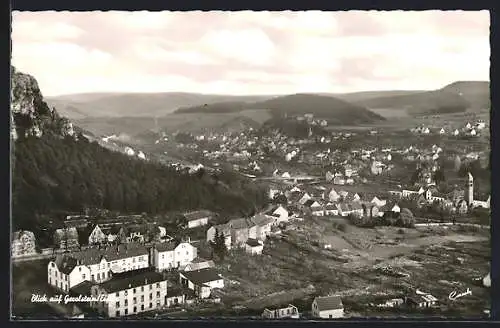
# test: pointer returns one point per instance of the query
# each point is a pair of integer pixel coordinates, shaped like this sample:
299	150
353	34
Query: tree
406	218
219	245
458	163
439	176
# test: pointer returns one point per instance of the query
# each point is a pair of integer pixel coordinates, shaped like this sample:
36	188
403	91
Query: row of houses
238	232
120	275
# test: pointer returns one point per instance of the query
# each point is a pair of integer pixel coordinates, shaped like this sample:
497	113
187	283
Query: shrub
342	227
401	231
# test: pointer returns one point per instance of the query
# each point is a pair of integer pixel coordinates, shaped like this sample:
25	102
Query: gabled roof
326	303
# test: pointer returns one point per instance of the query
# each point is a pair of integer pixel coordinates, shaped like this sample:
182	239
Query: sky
250	52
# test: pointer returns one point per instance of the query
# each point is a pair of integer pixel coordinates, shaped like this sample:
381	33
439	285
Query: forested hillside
53	172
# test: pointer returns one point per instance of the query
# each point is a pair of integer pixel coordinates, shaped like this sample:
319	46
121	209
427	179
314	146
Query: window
135	309
142	307
135	300
151	296
126	302
117	304
109	274
50	271
330	316
93	278
126	311
133	260
157	294
150	305
118	313
98	276
60	275
157	285
117	294
83	276
150	287
163	256
50	281
141	258
126	292
80	269
52	264
142	298
134	290
142	288
109	264
157	304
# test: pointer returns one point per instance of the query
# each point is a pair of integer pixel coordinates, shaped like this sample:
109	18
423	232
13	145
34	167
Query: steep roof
261	220
326	303
237	224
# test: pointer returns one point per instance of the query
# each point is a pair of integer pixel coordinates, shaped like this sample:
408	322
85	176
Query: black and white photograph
264	165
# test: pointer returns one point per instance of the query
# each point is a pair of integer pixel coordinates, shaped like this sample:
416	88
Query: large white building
130	293
167	256
95	265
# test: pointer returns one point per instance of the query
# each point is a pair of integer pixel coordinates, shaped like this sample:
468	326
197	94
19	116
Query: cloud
250	52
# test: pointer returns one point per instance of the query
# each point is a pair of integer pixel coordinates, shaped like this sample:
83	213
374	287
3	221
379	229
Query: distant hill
367	95
78	106
477	93
456	97
337	111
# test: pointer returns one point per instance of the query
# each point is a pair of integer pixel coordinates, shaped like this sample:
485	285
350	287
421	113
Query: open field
297	267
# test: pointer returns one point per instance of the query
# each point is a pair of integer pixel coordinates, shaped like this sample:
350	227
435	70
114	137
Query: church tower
469	192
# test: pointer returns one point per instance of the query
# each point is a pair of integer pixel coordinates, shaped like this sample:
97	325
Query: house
262	225
254	246
327	307
316	209
421	300
304	198
97	236
333	196
331	209
456	132
135	233
286	175
198	218
442	131
289	312
66	238
23	244
167	256
201	281
338	181
198	264
95	264
281	214
175	296
240	231
461	206
222	229
130	293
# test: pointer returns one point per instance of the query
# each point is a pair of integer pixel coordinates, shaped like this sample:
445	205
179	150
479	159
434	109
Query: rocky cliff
30	114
